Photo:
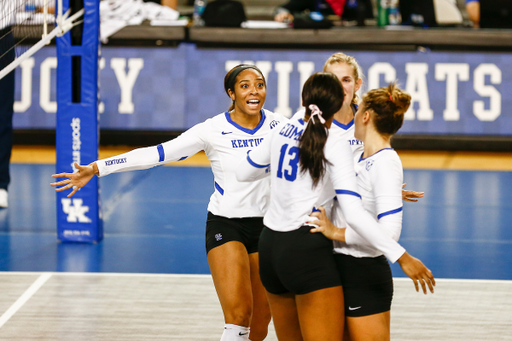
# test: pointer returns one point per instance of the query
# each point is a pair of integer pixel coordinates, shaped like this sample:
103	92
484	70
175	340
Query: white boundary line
113	274
126	274
24	298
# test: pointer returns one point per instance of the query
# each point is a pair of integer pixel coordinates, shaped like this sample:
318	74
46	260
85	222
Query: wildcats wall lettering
166	89
416	84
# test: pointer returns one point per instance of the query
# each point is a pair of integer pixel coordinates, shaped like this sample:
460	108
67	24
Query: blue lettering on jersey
355	142
291	131
273	124
247	143
115	161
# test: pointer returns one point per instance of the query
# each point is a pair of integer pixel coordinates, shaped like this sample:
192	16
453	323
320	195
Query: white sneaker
3	198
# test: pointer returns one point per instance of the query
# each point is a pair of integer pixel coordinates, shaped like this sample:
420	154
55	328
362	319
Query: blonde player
348	71
297	267
235	211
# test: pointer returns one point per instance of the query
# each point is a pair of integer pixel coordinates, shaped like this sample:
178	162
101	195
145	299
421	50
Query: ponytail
322	96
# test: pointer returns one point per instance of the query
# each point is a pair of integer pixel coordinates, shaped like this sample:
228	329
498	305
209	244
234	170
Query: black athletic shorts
367	284
220	230
297	262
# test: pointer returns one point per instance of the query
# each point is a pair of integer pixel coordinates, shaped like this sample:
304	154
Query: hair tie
315	111
391	98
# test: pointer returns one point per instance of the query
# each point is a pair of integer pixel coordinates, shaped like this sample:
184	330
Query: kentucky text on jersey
354	142
115	161
291	131
246	143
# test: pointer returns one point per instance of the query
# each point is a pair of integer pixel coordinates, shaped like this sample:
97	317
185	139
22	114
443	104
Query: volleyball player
297	267
347	70
365	273
235	211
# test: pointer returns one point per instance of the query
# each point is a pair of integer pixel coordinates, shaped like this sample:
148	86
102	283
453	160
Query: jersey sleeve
341	171
185	145
386	180
256	164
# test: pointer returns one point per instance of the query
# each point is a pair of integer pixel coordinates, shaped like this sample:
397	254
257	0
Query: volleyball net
28	26
29	21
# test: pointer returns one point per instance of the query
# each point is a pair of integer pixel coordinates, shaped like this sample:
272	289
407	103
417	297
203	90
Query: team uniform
346	131
365	272
291	258
235	209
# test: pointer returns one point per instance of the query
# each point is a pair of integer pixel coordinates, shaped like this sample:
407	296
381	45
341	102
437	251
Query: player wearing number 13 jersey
307	169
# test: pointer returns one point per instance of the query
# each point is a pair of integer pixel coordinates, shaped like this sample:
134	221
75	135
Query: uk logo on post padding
75	212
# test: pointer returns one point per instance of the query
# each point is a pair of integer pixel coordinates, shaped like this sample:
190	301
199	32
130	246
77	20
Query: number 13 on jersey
289	157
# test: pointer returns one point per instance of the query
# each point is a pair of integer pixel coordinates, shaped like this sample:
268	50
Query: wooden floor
410	159
111	307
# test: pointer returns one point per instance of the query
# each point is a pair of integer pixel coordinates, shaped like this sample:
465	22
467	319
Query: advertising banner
159	88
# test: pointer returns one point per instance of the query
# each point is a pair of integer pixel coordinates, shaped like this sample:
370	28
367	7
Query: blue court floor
154	222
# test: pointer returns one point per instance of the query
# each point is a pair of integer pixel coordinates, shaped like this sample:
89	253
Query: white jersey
225	143
293	196
379	180
346	131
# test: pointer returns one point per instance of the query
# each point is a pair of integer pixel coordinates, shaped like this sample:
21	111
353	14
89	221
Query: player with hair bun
308	167
365	273
236	209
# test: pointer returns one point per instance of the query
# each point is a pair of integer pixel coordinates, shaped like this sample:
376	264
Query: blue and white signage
175	88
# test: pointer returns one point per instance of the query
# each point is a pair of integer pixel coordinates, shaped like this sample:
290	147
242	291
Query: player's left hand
418	272
325	226
411	196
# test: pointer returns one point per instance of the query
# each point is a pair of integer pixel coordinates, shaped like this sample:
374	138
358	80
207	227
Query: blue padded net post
77	130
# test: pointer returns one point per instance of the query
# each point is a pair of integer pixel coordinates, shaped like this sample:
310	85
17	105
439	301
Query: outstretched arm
411	266
77	179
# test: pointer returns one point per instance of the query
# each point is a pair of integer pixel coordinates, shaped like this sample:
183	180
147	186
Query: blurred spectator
345	9
169	3
473	9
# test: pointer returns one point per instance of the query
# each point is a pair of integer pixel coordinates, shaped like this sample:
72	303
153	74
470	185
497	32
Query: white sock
232	332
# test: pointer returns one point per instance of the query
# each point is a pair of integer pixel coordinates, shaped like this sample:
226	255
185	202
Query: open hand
75	180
